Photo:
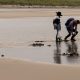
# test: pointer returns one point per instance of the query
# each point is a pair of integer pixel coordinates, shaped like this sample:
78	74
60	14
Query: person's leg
75	33
57	35
67	36
69	33
58	38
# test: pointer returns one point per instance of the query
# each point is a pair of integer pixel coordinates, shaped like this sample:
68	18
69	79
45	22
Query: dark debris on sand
72	54
2	55
37	44
39	41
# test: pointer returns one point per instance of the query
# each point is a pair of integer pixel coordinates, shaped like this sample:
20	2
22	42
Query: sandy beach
19	30
27	70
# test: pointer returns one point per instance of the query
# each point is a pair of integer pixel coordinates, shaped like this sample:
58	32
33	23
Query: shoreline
36	12
38	6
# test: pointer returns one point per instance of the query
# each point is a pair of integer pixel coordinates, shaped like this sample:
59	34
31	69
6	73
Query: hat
78	21
59	13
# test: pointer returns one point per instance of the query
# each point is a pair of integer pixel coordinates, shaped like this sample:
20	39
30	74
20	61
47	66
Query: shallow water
18	34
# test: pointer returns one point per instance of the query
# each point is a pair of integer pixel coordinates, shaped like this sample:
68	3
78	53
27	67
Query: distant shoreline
37	6
11	12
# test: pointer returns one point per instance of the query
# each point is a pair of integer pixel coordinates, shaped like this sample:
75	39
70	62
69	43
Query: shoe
59	39
66	40
73	40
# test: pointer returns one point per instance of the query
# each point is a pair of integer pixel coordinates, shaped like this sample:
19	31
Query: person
72	29
67	27
57	25
68	21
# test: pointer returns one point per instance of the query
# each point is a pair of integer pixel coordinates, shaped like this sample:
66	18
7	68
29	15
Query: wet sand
18	37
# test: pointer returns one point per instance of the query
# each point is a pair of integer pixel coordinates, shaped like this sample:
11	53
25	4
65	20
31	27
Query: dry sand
27	70
13	13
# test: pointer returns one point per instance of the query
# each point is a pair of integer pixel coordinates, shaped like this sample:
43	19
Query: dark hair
78	21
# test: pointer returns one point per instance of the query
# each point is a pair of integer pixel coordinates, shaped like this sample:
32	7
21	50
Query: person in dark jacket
72	29
57	25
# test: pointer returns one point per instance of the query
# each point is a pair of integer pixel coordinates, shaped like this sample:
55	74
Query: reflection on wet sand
16	36
71	52
57	52
72	48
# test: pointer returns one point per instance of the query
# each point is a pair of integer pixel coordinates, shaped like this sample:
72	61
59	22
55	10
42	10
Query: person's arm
75	27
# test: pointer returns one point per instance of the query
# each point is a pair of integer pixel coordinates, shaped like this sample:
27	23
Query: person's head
59	13
78	21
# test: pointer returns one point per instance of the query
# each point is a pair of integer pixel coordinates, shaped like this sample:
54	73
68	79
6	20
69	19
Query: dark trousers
73	35
71	32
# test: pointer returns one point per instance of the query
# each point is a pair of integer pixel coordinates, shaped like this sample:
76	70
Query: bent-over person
72	30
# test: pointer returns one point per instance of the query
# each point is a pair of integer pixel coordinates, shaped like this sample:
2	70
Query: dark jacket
56	21
68	21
